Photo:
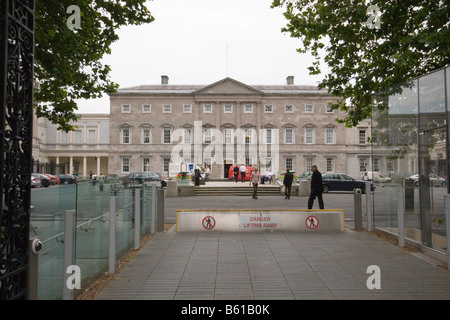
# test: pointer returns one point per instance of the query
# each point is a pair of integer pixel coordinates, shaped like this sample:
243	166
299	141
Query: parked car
66	179
342	182
111	177
140	177
40	180
434	180
248	173
376	177
54	179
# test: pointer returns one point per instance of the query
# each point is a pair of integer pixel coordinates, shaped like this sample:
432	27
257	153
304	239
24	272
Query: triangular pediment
227	86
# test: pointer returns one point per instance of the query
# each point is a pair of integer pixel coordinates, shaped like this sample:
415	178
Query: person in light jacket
255	179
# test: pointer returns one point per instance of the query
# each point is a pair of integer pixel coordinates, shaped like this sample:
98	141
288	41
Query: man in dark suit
316	188
287	182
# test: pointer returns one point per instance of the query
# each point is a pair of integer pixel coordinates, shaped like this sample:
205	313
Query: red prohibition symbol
312	222
208	222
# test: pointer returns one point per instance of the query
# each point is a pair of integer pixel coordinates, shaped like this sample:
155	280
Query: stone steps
236	191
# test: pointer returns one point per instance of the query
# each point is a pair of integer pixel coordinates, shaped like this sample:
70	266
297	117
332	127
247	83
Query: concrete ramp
244	220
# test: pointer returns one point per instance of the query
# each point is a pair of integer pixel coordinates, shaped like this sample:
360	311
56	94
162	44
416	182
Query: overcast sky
204	41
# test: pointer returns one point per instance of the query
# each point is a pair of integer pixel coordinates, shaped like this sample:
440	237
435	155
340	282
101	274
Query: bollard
112	235
137	218
153	210
358	208
401	216
69	251
369	206
34	245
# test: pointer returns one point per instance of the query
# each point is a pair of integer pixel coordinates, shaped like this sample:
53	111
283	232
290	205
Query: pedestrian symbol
208	222
312	222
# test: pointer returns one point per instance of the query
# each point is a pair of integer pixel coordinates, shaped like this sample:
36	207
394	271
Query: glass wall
91	203
410	147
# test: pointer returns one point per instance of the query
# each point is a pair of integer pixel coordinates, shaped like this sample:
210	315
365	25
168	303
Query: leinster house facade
165	127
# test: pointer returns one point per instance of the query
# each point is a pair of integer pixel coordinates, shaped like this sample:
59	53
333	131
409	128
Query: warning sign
208	222
312	222
260	221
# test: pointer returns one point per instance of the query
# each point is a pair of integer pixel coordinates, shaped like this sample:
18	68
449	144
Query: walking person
287	182
316	188
236	173
255	179
243	170
207	173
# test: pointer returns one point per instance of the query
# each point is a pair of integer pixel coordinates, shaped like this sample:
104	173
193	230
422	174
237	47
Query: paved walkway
275	265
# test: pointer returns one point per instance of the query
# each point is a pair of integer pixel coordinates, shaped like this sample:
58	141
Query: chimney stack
290	80
164	80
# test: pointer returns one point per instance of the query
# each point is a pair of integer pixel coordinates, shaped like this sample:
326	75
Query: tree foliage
68	62
412	38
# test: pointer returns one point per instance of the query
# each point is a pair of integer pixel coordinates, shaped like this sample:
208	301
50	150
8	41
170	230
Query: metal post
69	251
34	245
401	216
112	234
358	209
369	205
153	213
447	226
137	218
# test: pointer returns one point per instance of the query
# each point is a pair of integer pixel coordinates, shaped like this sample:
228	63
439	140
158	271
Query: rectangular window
268	164
166	162
207	108
288	163
125	136
268	136
309	161
328	109
64	138
248	108
187	108
228	136
167	108
91	137
125	165
146	164
78	137
207	136
363	164
248	162
309	108
248	136
330	164
362	136
329	136
166	135
268	108
288	108
289	136
126	108
309	136
187	159
145	136
187	136
227	108
146	108
376	165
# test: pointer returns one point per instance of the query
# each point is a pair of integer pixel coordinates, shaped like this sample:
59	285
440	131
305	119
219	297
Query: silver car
435	180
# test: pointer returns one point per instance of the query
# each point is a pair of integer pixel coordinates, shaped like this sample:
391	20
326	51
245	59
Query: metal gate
16	99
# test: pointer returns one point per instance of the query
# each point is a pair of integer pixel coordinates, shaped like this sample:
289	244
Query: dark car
140	177
342	182
66	179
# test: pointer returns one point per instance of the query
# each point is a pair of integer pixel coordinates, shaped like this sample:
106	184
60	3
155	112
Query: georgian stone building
164	127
